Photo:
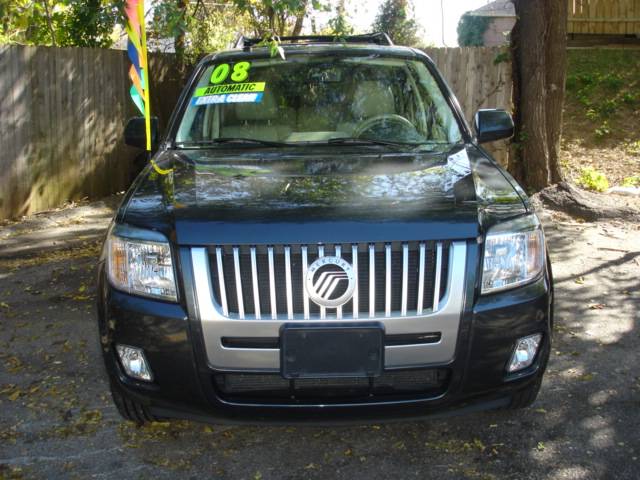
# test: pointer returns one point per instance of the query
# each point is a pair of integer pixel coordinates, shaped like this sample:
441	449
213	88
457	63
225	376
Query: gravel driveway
57	420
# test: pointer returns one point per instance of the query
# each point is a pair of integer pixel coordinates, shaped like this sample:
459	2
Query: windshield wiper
367	141
427	146
237	140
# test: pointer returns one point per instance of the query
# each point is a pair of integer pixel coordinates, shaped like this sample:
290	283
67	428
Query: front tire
524	398
130	409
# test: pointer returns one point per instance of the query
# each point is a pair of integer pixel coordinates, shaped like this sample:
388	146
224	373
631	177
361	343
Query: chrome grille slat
405	279
372	280
287	273
305	294
236	271
436	283
356	291
339	254
323	310
421	278
254	281
392	280
387	280
272	285
223	291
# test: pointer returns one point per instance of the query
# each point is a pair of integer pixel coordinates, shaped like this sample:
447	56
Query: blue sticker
228	98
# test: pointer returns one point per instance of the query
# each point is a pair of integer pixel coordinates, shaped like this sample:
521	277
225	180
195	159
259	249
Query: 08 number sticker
239	73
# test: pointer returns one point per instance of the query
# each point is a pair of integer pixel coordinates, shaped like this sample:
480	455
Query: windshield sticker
459	162
229	93
217	92
239	73
228	98
230	88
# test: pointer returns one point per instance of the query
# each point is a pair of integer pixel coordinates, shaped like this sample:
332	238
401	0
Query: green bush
591	179
612	82
608	107
633	181
603	130
628	98
583	98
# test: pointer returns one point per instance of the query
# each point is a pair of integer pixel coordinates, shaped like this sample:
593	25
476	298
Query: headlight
139	262
514	254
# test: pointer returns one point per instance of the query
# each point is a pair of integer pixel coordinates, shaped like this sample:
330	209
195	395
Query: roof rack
379	38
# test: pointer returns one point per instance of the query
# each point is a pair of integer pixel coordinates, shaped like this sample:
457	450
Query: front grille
272	387
393	279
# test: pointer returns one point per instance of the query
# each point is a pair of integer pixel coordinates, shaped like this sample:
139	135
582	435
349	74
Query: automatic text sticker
237	92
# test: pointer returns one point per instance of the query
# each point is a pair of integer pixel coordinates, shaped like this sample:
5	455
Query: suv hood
256	197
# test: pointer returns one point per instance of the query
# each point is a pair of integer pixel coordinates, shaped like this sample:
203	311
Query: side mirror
135	133
493	124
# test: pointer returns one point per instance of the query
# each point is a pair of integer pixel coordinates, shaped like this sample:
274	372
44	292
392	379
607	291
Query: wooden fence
604	17
63	111
480	78
62	116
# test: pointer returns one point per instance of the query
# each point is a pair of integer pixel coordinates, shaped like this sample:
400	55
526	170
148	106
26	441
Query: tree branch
45	4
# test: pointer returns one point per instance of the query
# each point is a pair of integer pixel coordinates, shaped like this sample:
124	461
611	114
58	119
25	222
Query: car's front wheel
525	397
130	409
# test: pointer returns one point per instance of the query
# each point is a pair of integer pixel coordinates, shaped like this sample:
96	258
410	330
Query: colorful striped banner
137	51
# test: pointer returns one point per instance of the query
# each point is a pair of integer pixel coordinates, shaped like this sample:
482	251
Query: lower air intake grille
264	387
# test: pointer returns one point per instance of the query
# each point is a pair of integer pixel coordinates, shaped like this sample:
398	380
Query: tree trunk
52	32
179	42
297	27
556	79
539	64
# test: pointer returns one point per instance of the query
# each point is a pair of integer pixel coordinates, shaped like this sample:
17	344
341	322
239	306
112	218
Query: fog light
134	363
525	352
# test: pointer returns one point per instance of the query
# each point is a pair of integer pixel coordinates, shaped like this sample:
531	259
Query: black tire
130	409
524	398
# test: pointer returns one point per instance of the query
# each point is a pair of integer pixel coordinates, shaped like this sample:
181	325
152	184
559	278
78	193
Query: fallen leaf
596	306
579	280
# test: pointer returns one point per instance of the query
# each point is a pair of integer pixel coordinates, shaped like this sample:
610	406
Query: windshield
318	99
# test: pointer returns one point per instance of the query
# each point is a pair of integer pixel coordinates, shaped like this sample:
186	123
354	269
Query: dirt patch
602	113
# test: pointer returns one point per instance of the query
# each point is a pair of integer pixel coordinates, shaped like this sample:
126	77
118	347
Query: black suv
320	235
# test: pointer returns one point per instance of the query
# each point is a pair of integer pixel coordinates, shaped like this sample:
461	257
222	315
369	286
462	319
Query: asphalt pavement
57	419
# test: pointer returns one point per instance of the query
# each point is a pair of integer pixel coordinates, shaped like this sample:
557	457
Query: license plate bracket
331	351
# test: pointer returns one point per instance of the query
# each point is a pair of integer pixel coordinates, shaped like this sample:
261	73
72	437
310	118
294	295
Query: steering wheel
381	120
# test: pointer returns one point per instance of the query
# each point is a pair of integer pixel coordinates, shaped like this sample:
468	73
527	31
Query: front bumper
184	385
